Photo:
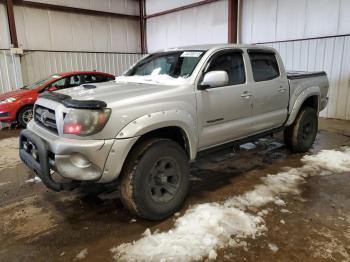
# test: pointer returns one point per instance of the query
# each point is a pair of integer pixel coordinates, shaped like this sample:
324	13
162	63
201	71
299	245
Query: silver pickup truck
141	130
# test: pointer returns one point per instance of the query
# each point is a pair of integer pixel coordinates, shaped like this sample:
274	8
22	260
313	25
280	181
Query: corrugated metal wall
329	54
206	24
37	65
42	29
110	44
4	28
279	22
10	72
156	6
113	6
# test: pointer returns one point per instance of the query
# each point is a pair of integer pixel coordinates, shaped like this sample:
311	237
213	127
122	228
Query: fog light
79	160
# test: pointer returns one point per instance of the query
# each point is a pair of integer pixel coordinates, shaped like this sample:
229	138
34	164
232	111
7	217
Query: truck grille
46	118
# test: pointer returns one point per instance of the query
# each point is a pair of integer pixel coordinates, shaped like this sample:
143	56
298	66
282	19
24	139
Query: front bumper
76	160
34	153
8	112
99	161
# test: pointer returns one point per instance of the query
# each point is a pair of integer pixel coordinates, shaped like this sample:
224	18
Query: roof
82	72
214	46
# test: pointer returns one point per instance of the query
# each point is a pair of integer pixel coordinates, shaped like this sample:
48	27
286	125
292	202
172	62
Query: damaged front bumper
76	160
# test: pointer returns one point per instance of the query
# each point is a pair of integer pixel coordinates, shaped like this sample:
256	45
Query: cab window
231	62
264	65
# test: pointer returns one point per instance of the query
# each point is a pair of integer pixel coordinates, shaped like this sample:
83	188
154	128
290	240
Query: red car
17	106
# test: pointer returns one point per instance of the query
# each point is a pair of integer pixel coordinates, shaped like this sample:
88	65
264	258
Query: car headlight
8	100
85	122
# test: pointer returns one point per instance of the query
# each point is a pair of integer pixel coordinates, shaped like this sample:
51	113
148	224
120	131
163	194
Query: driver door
225	112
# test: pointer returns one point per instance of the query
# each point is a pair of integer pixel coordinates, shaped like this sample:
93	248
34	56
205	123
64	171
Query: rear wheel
155	179
300	136
25	115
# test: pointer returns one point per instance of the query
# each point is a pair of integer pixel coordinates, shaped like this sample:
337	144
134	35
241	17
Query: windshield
41	82
174	64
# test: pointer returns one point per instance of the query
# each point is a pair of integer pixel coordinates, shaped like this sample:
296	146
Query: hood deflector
68	102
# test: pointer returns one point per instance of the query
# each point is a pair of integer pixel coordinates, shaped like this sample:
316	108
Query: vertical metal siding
206	24
327	54
326	21
39	64
42	29
114	6
280	20
10	71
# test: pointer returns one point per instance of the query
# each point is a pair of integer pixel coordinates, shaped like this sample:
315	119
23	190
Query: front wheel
25	115
155	179
300	136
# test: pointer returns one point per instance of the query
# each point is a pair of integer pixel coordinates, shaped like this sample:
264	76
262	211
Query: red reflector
72	129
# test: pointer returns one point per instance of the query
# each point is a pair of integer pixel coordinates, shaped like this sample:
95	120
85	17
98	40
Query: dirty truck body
142	129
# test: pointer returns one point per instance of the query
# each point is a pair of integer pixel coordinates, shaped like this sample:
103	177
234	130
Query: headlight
85	122
8	100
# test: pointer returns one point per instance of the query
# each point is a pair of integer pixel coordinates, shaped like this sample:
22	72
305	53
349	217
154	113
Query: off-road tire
300	136
137	184
21	117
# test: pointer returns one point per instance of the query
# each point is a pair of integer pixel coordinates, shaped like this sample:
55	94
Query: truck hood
111	92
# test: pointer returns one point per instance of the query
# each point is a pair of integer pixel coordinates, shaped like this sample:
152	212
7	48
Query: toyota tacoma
140	131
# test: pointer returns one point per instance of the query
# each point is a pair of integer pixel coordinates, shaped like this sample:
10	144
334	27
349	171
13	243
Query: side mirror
52	88
214	79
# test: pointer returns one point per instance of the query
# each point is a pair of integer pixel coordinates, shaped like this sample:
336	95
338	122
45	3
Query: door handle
281	89
246	95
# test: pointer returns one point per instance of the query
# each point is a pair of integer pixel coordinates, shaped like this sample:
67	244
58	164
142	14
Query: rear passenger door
270	90
224	112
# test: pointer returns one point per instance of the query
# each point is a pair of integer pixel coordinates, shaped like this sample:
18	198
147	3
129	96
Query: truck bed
300	81
303	74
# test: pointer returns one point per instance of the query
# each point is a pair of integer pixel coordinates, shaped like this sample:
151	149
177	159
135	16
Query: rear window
264	65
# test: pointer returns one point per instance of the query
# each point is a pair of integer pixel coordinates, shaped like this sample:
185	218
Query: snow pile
329	160
151	79
207	227
198	233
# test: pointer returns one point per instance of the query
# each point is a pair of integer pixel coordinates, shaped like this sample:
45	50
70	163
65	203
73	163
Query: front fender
157	120
311	91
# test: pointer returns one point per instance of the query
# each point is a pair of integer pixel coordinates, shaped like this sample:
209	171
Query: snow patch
151	79
273	247
82	254
35	179
212	255
283	210
207	227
